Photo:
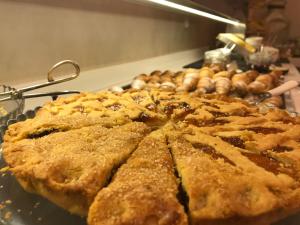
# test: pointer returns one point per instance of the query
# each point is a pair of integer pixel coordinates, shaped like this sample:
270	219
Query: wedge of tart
70	167
143	191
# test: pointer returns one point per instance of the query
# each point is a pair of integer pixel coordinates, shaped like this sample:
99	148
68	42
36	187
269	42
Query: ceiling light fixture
196	12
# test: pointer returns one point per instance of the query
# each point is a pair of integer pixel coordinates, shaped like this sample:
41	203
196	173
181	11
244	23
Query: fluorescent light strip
195	11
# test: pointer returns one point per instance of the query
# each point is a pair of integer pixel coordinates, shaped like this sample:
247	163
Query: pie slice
143	191
70	167
133	105
230	185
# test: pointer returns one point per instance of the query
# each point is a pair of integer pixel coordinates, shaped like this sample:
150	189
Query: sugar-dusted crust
134	105
143	191
70	167
236	165
230	185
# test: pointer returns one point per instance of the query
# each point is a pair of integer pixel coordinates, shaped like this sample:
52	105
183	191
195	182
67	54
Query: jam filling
218	114
143	117
80	109
169	109
206	123
102	99
157	102
184	105
264	161
211	105
269	163
288	120
235	141
138	99
43	133
265	130
151	107
281	148
187	109
114	107
212	152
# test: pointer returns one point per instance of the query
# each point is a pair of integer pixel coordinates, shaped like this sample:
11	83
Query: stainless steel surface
13	107
17	94
54	93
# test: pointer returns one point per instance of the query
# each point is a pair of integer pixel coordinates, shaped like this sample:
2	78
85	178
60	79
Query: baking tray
24	208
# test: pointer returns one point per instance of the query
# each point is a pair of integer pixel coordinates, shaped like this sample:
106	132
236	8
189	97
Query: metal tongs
278	90
19	93
260	98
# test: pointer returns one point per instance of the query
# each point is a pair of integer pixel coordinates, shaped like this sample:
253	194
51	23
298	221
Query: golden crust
143	190
70	167
234	187
237	165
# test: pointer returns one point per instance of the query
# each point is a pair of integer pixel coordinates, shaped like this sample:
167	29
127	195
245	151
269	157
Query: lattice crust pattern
159	157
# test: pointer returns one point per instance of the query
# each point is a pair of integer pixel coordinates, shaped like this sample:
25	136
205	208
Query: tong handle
51	80
278	90
284	87
55	93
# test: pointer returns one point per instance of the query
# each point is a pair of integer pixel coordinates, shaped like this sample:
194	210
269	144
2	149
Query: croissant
190	80
205	85
166	76
223	85
275	74
178	78
167	85
252	74
206	72
226	74
274	101
241	81
154	79
143	77
138	84
116	89
155	73
216	68
261	84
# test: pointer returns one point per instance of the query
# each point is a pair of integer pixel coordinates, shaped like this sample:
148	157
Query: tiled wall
35	34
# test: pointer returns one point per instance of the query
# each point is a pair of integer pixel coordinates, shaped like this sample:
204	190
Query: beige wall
35	34
292	12
234	8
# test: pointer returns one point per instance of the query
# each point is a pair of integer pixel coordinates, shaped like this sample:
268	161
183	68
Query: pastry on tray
143	190
207	80
160	157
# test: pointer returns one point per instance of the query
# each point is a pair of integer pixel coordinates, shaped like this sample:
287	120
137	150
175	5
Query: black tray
26	208
31	209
